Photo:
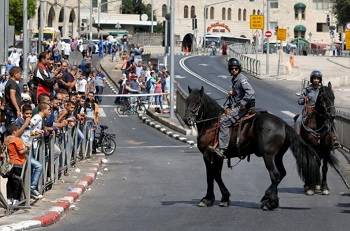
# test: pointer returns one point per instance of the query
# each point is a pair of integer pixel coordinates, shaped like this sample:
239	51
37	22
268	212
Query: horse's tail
308	162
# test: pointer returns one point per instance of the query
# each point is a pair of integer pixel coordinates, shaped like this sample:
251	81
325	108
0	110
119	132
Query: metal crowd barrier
181	96
57	153
250	65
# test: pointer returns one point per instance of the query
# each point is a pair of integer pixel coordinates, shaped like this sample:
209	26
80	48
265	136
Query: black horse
317	130
264	135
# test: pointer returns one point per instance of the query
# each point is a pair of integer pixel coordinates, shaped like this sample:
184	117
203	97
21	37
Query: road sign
256	21
268	34
281	34
347	39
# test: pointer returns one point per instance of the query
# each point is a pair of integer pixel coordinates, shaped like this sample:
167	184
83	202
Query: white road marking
203	64
223	76
288	113
120	116
182	64
179	77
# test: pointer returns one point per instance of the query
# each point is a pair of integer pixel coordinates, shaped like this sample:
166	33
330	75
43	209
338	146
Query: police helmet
233	62
315	74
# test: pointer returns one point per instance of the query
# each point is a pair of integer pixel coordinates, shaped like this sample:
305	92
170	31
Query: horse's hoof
206	203
318	189
309	192
325	192
202	204
224	204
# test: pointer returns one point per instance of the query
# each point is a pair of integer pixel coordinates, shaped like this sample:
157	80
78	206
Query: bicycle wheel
108	146
121	109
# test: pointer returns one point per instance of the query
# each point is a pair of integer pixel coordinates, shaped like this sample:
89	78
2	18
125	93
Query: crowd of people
57	96
141	77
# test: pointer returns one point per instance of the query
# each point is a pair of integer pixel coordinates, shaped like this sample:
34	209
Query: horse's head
325	102
193	105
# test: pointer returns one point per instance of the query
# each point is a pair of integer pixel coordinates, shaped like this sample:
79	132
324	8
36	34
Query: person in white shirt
66	51
15	58
81	84
32	61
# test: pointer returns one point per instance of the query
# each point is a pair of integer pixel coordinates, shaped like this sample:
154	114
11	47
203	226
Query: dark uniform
243	96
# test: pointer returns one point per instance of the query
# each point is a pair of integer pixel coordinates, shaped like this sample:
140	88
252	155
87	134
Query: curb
55	213
165	130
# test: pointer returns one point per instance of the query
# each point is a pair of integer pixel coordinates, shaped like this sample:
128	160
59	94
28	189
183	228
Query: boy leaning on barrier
17	154
26	133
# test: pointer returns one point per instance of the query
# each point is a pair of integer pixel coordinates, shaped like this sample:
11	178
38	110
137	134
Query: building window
273	4
186	12
254	12
272	26
239	14
193	11
259	12
164	10
321	27
211	12
244	15
94	3
223	14
61	16
323	4
206	13
229	14
104	6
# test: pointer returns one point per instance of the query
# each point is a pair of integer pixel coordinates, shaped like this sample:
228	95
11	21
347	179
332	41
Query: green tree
16	13
341	10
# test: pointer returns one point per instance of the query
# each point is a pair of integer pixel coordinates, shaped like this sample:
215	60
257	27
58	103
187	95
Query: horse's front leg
324	185
209	198
217	171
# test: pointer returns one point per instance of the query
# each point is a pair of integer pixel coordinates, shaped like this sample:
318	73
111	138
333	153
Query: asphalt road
154	182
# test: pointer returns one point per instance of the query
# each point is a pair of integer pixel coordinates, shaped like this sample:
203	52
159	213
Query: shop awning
300	28
299	5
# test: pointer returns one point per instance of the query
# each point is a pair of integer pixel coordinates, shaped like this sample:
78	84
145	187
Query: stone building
306	19
61	15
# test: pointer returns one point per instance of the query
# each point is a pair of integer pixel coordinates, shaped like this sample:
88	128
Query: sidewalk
58	200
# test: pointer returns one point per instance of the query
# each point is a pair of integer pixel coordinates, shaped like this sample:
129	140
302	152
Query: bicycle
128	108
105	141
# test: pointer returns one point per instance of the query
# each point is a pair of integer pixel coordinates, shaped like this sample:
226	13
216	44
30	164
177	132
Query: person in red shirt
43	79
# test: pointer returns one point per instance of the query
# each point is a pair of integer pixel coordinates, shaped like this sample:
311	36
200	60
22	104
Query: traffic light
328	20
166	26
276	29
340	36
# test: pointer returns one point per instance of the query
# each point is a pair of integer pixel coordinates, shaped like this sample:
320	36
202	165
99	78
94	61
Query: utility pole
268	39
4	13
205	24
41	26
25	40
98	16
79	22
152	16
172	59
167	31
90	21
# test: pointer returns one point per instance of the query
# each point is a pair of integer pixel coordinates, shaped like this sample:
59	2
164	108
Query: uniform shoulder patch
244	81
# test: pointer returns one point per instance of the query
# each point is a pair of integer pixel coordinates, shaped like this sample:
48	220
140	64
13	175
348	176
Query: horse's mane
210	108
327	92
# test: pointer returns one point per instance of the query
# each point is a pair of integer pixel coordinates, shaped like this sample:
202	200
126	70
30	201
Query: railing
250	65
56	153
181	96
342	124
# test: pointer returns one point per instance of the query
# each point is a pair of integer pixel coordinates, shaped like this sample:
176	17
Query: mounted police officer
310	93
243	96
309	96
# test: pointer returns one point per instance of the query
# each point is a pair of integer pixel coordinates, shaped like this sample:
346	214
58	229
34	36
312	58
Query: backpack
5	165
